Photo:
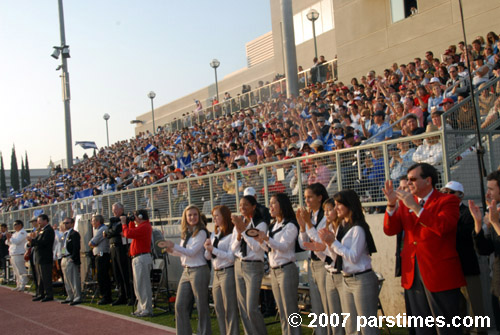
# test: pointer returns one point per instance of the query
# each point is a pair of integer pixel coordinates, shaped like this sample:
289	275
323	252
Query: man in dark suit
119	259
42	242
486	236
4	248
430	267
70	263
472	302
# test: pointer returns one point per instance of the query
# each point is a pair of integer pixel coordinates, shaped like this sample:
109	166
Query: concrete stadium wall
367	39
326	42
232	83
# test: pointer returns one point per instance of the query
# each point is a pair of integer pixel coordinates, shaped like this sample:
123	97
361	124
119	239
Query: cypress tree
27	167
14	171
3	182
23	175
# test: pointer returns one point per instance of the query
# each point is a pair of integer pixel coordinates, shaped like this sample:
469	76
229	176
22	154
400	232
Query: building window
303	27
401	9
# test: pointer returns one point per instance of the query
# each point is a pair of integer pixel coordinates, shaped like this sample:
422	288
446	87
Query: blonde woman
196	275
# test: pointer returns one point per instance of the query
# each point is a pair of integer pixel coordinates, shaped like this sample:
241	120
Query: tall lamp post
215	64
312	16
106	118
152	95
63	50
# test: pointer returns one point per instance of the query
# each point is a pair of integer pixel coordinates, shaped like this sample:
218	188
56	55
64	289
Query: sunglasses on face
448	192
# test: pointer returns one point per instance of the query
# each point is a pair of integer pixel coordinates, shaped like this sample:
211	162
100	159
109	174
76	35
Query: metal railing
460	136
363	168
324	72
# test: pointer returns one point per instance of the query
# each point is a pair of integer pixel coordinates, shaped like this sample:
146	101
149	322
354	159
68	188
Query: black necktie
243	246
188	236
338	261
421	203
215	245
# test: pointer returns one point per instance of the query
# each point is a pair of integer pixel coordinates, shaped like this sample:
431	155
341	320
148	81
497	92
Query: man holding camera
139	229
119	258
100	249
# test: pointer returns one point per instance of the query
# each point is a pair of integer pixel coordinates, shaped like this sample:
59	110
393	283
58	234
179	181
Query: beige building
363	34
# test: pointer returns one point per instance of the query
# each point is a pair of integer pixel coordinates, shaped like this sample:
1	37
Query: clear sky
120	50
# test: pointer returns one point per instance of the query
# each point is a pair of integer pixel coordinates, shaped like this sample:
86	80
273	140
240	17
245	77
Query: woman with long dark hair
248	265
218	250
311	220
334	277
353	245
280	242
195	278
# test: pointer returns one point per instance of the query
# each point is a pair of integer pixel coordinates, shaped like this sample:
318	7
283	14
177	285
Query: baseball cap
434	80
446	100
454	186
249	191
317	143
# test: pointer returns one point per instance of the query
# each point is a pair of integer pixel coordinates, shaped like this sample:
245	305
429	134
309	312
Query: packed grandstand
400	101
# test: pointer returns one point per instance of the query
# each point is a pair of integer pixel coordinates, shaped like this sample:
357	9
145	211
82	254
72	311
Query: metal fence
363	168
324	72
459	131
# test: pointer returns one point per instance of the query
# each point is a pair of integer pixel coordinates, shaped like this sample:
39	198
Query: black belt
116	244
227	267
250	261
64	256
142	253
282	266
193	267
357	273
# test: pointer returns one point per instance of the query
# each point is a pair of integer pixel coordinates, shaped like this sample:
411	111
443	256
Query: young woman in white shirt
280	242
311	220
334	278
196	275
353	245
248	265
218	250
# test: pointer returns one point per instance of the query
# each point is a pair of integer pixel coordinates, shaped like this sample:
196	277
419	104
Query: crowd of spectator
403	100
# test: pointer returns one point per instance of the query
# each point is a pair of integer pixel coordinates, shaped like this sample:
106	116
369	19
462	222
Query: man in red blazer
430	267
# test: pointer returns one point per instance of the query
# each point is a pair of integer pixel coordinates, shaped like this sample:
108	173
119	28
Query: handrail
249	99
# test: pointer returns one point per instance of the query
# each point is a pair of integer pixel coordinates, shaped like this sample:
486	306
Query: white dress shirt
282	244
254	251
193	254
17	242
329	252
225	256
311	234
354	251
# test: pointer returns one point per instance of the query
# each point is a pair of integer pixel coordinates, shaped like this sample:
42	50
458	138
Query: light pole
106	118
63	50
312	16
152	95
215	64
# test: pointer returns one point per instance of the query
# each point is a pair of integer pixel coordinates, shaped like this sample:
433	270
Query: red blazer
432	239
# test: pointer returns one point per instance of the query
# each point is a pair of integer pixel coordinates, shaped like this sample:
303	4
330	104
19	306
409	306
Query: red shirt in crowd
140	235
